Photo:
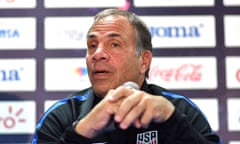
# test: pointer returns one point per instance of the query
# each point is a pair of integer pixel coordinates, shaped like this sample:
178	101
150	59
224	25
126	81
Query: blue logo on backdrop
176	31
10	75
74	34
9	33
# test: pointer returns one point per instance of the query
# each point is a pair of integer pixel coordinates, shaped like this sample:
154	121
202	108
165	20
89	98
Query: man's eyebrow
114	35
89	36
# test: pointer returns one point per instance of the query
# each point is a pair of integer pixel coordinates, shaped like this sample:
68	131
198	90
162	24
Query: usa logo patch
150	137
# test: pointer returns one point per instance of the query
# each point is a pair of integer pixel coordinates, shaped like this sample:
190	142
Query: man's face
111	57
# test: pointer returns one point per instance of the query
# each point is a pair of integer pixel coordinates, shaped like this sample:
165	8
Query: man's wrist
83	129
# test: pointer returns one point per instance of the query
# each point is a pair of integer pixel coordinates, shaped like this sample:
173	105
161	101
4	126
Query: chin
100	94
100	91
101	87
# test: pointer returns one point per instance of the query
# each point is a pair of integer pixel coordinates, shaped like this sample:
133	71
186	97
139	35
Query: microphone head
131	84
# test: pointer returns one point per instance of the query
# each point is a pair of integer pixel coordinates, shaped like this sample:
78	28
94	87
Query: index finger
120	93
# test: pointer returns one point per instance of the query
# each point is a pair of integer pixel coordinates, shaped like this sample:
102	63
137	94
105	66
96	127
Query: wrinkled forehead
111	18
113	24
116	21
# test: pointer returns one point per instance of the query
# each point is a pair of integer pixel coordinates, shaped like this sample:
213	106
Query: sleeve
56	126
188	125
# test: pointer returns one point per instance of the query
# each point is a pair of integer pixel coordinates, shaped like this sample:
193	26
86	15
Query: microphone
131	84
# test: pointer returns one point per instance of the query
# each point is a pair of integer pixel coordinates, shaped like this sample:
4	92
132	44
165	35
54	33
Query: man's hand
125	106
140	108
100	118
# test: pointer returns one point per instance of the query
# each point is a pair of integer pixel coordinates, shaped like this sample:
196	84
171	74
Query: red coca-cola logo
238	75
185	72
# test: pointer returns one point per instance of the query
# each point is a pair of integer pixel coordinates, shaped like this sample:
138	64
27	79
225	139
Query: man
120	50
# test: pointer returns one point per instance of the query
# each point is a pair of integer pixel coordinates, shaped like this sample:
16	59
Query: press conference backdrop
42	49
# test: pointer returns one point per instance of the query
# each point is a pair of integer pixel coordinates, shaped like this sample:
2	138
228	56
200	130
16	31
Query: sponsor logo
238	75
150	137
172	3
176	31
88	3
232	72
17	75
11	74
64	33
17	117
181	31
9	33
17	3
17	33
185	72
126	6
72	34
70	75
81	71
8	1
10	121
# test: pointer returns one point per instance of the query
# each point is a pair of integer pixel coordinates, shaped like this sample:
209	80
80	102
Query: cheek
130	67
88	60
88	64
122	66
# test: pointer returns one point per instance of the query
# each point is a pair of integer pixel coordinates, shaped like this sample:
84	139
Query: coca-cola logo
185	72
238	75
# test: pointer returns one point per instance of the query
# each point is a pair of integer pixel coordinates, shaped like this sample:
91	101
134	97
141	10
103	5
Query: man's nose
100	54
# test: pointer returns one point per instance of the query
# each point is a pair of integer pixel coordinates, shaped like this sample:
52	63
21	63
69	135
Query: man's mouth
100	72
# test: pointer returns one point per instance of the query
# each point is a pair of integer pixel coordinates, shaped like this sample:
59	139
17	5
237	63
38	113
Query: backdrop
42	49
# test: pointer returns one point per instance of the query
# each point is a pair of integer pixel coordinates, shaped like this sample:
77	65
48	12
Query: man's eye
115	45
92	46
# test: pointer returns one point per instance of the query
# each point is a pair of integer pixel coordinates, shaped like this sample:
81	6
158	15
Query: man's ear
146	60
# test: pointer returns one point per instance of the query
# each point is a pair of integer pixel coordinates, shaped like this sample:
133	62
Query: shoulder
180	101
66	108
79	96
